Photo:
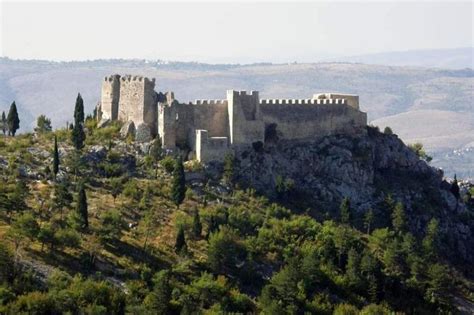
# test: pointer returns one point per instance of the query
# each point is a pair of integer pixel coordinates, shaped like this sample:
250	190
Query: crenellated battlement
112	78
303	101
210	102
139	78
242	93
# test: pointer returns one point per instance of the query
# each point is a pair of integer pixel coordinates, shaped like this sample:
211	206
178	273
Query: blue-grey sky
239	32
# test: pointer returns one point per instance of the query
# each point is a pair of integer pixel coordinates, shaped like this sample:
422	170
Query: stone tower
137	102
245	124
110	97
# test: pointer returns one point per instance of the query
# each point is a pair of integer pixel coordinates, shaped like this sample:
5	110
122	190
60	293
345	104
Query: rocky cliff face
318	174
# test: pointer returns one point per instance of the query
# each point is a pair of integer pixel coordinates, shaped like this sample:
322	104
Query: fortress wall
245	124
300	121
184	124
110	95
212	116
352	100
210	148
307	101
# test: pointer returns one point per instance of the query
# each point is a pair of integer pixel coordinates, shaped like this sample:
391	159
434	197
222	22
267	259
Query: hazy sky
229	32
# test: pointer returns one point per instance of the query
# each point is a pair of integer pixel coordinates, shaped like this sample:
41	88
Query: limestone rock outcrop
128	129
143	133
366	169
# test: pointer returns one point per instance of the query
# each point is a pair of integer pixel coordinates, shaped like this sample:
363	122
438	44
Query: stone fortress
211	128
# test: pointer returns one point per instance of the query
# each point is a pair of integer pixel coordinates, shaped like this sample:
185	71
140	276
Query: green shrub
193	166
388	131
346	309
168	163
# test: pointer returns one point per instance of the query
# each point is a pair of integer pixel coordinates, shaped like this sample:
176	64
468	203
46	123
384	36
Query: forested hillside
94	223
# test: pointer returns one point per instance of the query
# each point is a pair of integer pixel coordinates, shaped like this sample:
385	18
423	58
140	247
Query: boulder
96	154
128	129
143	133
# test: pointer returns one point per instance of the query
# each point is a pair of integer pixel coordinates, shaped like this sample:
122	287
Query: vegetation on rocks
98	231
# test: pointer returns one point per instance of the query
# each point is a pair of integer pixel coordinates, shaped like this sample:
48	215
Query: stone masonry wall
212	116
110	97
210	148
305	121
137	101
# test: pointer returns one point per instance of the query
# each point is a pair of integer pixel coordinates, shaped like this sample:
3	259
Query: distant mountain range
434	106
458	58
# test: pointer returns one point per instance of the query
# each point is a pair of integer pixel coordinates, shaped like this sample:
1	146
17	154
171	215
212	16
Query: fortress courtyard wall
303	121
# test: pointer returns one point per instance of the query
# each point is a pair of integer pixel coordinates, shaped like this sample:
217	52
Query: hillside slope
338	224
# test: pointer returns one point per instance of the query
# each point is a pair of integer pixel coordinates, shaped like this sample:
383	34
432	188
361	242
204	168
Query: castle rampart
209	128
303	101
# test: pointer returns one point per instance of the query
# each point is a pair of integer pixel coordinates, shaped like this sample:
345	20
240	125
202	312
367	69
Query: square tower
138	102
110	97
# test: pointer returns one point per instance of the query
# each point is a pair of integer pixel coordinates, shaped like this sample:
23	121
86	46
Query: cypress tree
455	188
13	121
81	206
178	189
78	136
4	123
345	211
197	226
55	157
79	110
180	244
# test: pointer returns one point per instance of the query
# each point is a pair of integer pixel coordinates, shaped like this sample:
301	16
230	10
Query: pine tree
455	188
212	227
55	157
4	123
81	206
398	218
353	268
431	239
62	197
372	289
158	300
345	211
13	121
156	153
368	219
197	226
79	110
178	189
43	124
180	244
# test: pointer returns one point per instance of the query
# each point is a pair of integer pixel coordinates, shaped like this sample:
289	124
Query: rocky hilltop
368	170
